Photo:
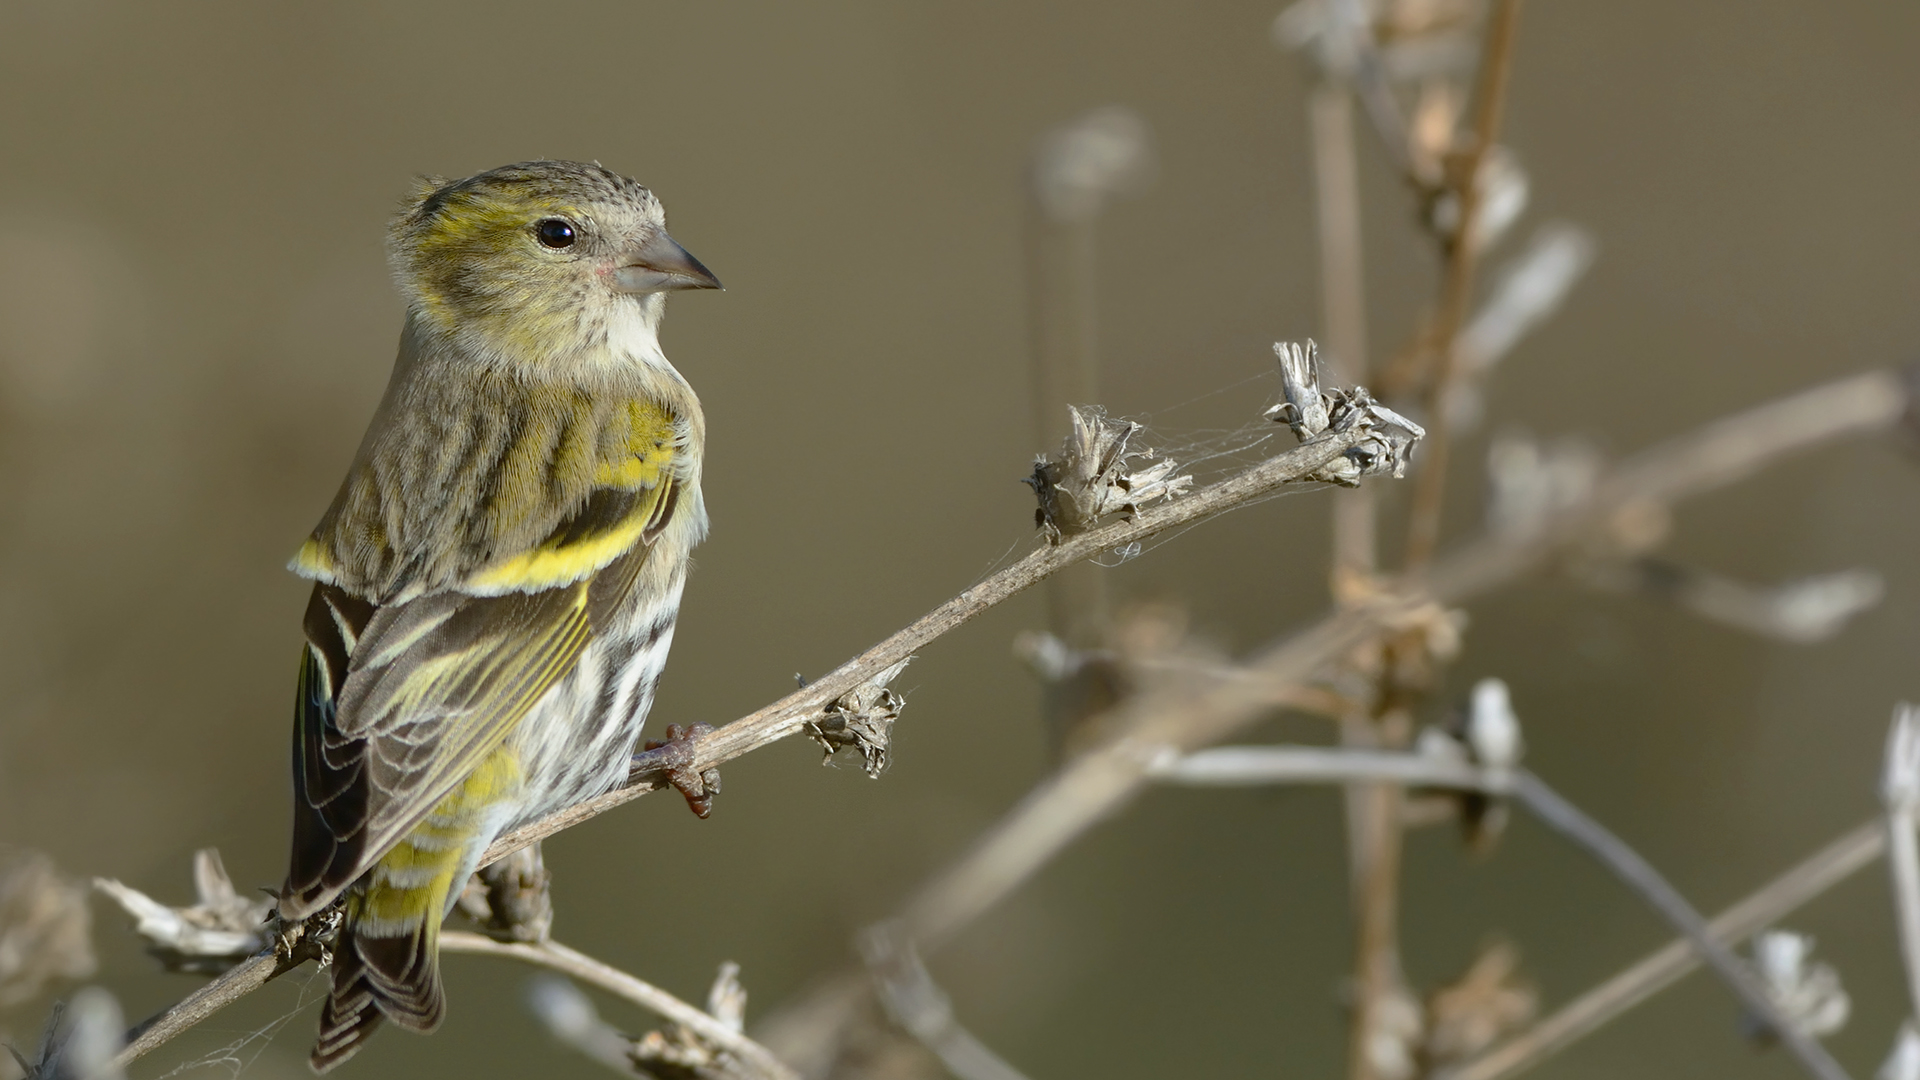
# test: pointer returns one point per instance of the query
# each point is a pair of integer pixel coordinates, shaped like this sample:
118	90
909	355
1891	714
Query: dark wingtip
376	979
341	1037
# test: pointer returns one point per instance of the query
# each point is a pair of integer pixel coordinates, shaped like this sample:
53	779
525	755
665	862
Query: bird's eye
554	232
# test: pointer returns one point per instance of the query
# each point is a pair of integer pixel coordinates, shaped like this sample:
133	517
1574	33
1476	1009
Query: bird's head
538	259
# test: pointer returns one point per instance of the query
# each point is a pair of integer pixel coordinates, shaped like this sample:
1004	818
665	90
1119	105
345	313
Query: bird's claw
673	757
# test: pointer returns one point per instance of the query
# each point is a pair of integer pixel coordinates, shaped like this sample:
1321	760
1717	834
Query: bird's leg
673	757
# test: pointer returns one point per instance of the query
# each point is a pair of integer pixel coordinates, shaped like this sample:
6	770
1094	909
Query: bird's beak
660	265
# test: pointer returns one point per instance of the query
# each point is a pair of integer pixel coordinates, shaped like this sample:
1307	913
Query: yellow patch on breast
635	453
642	449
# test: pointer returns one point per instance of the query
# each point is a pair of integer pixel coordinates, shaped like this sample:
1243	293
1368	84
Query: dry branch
825	697
1456	290
761	1064
816	700
1103	779
1639	875
1155	727
1667	965
1900	791
1231	766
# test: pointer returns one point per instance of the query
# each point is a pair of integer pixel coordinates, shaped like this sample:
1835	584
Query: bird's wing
397	704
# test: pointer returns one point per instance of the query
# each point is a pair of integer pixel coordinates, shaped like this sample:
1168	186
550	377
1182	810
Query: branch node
1807	993
1311	411
678	1053
1092	477
1469	1015
511	899
862	718
219	930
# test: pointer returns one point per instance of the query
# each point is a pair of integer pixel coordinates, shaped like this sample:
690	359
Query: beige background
195	322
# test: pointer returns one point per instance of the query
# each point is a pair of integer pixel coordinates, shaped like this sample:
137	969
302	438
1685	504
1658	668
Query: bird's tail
386	959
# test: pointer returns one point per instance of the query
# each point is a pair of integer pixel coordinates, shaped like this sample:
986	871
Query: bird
497	580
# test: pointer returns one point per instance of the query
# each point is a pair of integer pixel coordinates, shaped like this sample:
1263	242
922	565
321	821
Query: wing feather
398	703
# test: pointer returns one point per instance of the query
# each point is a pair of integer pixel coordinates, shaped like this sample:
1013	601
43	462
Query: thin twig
1102	779
1242	765
1374	812
1665	966
1429	490
1371	809
236	983
1238	766
1711	456
1900	789
914	1002
1637	873
1151	729
1343	312
1721	452
790	714
1376	835
577	965
1065	363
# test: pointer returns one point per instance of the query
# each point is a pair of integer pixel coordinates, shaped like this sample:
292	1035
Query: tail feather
380	977
386	957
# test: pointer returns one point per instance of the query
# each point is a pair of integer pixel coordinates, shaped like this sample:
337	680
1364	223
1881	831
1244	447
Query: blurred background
196	322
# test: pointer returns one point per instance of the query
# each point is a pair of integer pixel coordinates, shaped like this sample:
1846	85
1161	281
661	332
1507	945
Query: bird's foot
673	757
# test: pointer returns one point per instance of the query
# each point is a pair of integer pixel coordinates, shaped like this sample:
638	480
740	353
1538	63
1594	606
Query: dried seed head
1527	290
512	898
862	718
1093	476
1468	1015
1079	166
727	1000
220	929
1310	410
1493	730
1305	408
1808	993
44	928
1503	187
1531	482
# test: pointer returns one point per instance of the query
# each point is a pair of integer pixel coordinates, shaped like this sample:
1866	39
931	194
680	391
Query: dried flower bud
1808	994
1493	730
1078	167
1310	410
44	928
1305	409
862	718
1532	482
218	931
511	898
727	999
1093	479
1468	1015
1503	188
1527	290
